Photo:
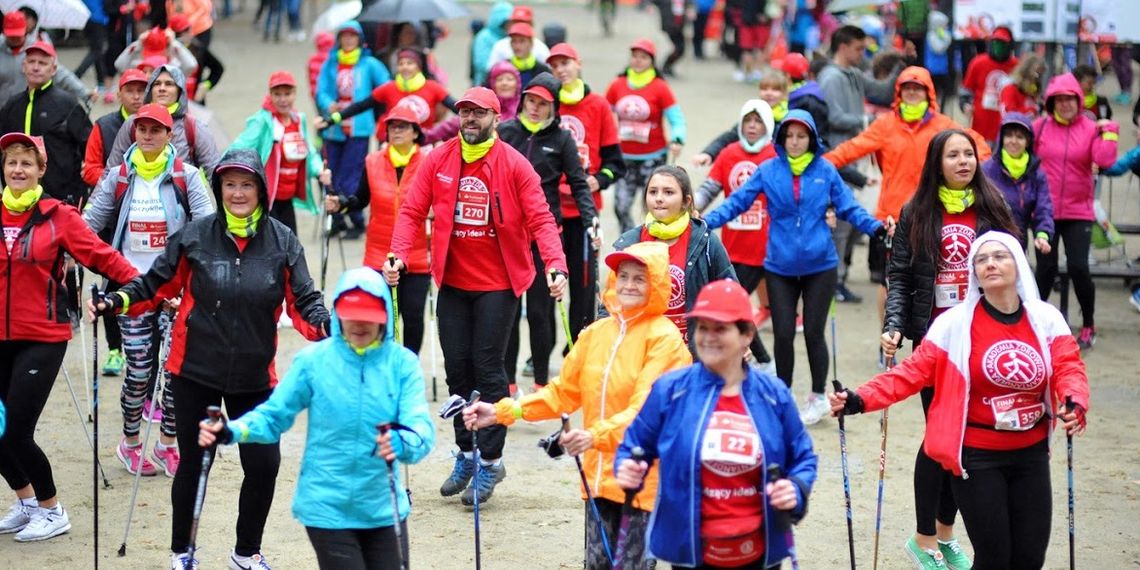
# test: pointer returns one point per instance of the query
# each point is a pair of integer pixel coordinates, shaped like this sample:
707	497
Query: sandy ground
535	518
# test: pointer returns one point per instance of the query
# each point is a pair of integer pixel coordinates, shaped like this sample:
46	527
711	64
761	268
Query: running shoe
924	559
183	562
1087	338
1134	298
167	459
132	457
18	517
255	562
152	413
284	322
738	75
460	476
528	368
1123	99
845	295
114	363
484	482
954	556
46	523
799	323
814	409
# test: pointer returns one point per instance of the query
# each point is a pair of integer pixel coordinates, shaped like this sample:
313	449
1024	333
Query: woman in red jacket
38	230
1002	363
388	173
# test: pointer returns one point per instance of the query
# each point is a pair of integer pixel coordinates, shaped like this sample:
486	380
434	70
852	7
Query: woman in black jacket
232	270
927	274
536	132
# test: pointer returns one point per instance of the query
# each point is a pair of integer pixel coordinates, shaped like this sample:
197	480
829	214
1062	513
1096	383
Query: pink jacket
1067	153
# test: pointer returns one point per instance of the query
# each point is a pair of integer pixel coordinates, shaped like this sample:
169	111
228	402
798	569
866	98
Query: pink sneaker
132	456
152	414
168	459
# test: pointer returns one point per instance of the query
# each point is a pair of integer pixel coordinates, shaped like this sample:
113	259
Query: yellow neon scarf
173	107
1016	166
243	227
1090	100
525	64
956	201
667	229
400	160
1057	117
913	113
473	152
23	202
349	58
639	79
780	110
574	94
800	163
149	170
534	127
123	112
412	85
372	345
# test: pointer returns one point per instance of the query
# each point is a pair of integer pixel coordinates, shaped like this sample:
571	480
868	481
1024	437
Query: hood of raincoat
507	104
1026	285
499	14
761	108
655	256
936	20
368	280
179	78
1019	119
246	159
548	83
798	116
921	75
1066	84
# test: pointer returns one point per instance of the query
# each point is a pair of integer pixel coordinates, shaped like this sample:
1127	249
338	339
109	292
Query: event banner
1100	21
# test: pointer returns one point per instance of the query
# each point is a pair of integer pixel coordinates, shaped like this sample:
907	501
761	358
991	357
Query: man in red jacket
488	207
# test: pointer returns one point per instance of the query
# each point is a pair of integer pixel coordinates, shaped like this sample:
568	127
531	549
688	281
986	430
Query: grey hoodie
846	89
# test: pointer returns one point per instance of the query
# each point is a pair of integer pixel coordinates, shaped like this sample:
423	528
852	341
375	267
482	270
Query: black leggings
784	294
259	463
1077	235
582	261
749	277
413	292
27	374
96	35
933	498
471	325
1008	509
358	549
540	317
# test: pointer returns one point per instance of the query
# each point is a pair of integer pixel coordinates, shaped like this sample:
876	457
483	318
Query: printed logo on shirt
752	219
677	288
577	130
1014	364
10	235
473	204
740	174
345	84
632	108
730	447
991	94
956	240
418	106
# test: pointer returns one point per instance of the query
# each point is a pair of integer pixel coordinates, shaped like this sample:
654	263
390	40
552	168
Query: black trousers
96	35
784	293
540	317
582	262
358	549
1077	235
413	292
749	277
282	211
27	374
259	463
471	326
933	497
1007	509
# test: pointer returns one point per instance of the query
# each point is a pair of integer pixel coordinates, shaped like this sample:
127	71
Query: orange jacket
385	197
609	372
900	147
200	13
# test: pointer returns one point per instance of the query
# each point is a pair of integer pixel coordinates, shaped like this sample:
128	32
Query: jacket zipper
499	206
605	385
763	478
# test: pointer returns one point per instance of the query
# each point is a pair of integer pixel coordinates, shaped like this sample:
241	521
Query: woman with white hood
1002	363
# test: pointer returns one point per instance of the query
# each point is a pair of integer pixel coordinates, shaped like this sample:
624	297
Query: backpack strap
121	183
190	127
178	176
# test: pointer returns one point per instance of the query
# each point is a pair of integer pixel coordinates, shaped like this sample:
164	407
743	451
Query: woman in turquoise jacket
342	493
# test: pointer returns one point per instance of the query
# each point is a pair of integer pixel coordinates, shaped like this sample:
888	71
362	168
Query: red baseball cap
15	24
154	43
35	142
359	305
401	113
179	23
282	79
540	92
480	97
646	45
616	258
157	113
522	14
132	76
563	49
723	301
521	29
42	46
795	65
1002	33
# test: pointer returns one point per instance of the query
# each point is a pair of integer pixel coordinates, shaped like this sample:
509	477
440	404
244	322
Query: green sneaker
114	364
924	559
954	555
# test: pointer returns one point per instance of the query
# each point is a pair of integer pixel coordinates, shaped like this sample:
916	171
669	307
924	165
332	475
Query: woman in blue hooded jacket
342	494
801	259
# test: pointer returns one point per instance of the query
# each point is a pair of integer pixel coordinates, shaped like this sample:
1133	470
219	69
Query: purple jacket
1028	197
1068	152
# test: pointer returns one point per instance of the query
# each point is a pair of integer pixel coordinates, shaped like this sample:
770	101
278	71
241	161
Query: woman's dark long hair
925	234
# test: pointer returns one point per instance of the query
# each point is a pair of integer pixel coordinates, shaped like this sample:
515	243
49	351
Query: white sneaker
255	562
814	409
183	562
18	517
284	322
45	524
738	75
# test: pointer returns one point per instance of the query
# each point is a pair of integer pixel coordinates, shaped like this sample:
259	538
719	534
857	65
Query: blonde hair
22	147
1029	68
773	78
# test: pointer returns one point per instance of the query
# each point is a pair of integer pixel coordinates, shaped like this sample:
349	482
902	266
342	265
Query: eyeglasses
468	112
999	257
399	126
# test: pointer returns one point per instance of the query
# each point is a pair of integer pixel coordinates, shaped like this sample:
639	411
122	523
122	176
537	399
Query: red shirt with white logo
1007	383
732	502
345	90
591	124
953	275
746	237
474	259
422	101
640	113
678	256
12	223
986	78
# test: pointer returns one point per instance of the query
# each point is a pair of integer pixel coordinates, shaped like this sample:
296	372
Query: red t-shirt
422	101
1007	385
746	237
678	254
292	145
1013	100
12	223
732	502
640	114
953	277
591	123
474	259
985	78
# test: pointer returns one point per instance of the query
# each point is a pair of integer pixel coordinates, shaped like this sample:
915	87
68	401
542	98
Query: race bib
1017	412
293	146
473	205
731	446
752	220
584	157
634	131
948	295
147	237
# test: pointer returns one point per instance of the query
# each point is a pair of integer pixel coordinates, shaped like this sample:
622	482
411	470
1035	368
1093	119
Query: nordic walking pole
95	466
590	498
395	300
781	519
383	429
213	415
846	478
638	454
326	228
565	319
882	444
83	343
83	423
475	479
434	339
1072	509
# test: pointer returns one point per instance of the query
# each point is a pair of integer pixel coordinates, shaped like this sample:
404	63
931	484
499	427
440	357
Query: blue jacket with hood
343	482
484	41
799	240
367	74
688	397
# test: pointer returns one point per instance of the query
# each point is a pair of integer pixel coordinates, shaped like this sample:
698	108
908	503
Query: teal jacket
343	483
258	136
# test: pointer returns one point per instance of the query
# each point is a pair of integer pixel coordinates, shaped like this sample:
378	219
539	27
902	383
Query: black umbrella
412	11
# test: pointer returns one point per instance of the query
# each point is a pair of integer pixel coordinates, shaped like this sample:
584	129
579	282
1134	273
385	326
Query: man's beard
477	138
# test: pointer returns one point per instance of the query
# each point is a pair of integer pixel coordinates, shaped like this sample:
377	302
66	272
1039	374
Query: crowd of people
477	197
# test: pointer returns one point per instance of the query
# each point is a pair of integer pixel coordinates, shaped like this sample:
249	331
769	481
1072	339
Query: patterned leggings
634	555
142	336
